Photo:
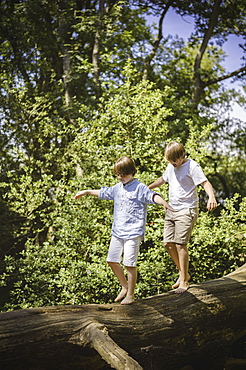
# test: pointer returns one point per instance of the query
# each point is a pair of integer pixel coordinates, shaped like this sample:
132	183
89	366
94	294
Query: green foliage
54	275
70	267
217	247
61	131
218	243
64	257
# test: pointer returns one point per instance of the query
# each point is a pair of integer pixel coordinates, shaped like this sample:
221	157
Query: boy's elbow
203	184
154	198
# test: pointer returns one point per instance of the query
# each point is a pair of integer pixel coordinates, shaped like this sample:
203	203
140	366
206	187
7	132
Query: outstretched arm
211	204
157	183
87	192
159	200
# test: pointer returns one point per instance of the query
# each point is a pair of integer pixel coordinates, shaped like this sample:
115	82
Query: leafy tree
75	94
69	265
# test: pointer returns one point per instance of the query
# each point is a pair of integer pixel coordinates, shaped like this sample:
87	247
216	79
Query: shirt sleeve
165	174
147	195
198	175
107	193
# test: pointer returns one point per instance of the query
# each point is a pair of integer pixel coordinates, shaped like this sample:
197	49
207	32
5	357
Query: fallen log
170	331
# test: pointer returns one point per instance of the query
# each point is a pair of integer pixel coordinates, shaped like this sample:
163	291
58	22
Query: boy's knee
112	263
181	247
169	245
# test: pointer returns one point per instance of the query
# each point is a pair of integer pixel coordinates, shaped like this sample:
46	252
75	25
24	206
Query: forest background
83	83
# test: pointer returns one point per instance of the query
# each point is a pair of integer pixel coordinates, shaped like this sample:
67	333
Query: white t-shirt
182	184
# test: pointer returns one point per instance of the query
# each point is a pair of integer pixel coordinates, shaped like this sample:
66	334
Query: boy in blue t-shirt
130	211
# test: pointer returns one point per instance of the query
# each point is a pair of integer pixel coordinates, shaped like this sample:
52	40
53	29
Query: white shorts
130	248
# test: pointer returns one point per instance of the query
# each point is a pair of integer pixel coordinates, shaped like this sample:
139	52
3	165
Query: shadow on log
194	330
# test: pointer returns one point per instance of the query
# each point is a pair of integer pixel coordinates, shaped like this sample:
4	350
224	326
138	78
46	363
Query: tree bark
167	331
96	49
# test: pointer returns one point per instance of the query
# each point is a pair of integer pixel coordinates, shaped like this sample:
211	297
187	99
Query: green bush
63	243
218	243
72	270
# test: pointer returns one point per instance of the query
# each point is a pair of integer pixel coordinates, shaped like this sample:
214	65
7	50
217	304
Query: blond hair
174	151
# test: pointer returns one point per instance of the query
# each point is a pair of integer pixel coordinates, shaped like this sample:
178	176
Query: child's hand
80	194
211	204
167	206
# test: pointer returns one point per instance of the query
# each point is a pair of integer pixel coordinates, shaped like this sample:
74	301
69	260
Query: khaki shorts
179	225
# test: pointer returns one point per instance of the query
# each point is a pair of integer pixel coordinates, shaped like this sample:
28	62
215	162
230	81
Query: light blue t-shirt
130	207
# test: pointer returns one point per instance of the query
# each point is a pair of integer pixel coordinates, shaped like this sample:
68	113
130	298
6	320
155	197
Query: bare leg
179	255
132	279
173	252
183	264
119	273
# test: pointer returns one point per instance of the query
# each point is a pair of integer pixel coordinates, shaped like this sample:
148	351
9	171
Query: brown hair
174	151
125	166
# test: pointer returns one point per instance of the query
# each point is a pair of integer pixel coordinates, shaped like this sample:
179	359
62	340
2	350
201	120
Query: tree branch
157	41
225	77
198	84
115	356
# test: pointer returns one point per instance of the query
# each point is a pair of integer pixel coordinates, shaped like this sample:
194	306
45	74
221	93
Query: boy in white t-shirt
183	176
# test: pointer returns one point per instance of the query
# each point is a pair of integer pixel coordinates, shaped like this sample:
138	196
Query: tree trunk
169	331
96	49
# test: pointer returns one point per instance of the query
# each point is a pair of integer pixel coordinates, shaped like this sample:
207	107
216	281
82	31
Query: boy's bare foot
182	287
121	294
128	300
176	285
